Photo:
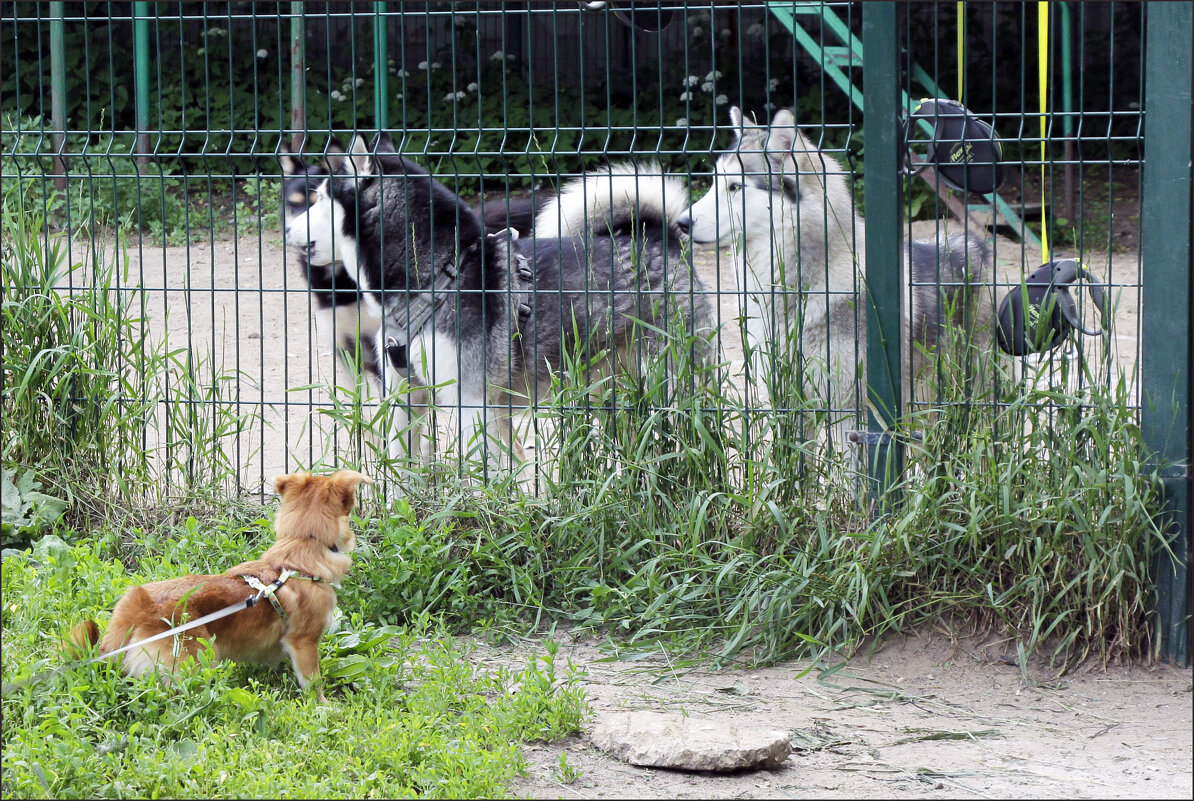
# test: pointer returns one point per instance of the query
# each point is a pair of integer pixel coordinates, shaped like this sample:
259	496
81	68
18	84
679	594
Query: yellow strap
1042	14
961	45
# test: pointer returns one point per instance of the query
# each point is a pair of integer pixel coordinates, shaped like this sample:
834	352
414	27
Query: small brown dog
313	542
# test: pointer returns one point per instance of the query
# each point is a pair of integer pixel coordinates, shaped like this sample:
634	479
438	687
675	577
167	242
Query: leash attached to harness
1038	315
263	590
269	591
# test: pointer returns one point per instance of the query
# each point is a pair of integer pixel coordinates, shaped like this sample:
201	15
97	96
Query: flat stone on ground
679	742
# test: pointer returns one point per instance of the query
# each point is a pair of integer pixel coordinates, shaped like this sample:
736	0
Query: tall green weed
77	369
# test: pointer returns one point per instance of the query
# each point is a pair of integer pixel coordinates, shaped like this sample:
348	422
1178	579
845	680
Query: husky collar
425	304
269	591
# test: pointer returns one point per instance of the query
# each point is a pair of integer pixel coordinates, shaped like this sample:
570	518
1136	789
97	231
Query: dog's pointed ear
346	483
291	164
738	123
352	478
283	484
335	155
360	162
382	143
784	118
781	136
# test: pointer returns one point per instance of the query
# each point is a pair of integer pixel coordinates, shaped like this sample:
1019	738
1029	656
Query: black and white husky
480	322
786	209
342	317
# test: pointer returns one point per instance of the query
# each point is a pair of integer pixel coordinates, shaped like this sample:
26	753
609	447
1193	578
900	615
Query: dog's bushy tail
612	198
946	273
82	637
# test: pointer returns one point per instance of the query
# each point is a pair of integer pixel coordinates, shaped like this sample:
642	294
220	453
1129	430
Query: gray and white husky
799	247
481	322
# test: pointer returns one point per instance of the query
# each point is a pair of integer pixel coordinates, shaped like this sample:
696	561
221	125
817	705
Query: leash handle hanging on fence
964	150
647	16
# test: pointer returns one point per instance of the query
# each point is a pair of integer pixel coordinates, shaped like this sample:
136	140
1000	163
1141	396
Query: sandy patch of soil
923	716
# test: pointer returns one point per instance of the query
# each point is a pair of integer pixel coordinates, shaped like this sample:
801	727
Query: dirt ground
924	716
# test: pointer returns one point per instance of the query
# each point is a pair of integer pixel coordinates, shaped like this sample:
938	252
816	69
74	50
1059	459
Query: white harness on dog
269	591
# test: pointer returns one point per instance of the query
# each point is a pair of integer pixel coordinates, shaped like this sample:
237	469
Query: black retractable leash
963	149
1038	315
647	15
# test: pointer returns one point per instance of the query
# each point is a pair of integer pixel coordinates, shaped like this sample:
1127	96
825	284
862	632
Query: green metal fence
163	123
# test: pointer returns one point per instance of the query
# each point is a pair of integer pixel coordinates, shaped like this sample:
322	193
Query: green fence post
298	79
58	93
881	95
381	66
1167	306
1067	107
141	78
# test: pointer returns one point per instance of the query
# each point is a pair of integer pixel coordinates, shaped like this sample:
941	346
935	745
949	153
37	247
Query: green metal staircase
835	59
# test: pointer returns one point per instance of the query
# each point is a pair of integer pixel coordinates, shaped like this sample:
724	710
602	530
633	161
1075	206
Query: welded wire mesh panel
1071	145
723	280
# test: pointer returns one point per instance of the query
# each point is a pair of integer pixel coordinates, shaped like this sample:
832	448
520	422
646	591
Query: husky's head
301	179
323	222
762	178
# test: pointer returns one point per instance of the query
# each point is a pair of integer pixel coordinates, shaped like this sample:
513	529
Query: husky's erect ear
291	164
335	155
784	118
782	133
739	124
781	137
736	119
360	163
382	143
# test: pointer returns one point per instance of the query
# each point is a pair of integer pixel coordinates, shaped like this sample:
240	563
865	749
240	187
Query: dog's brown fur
313	538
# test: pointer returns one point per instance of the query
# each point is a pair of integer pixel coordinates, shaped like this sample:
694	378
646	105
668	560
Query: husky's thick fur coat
482	322
786	209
